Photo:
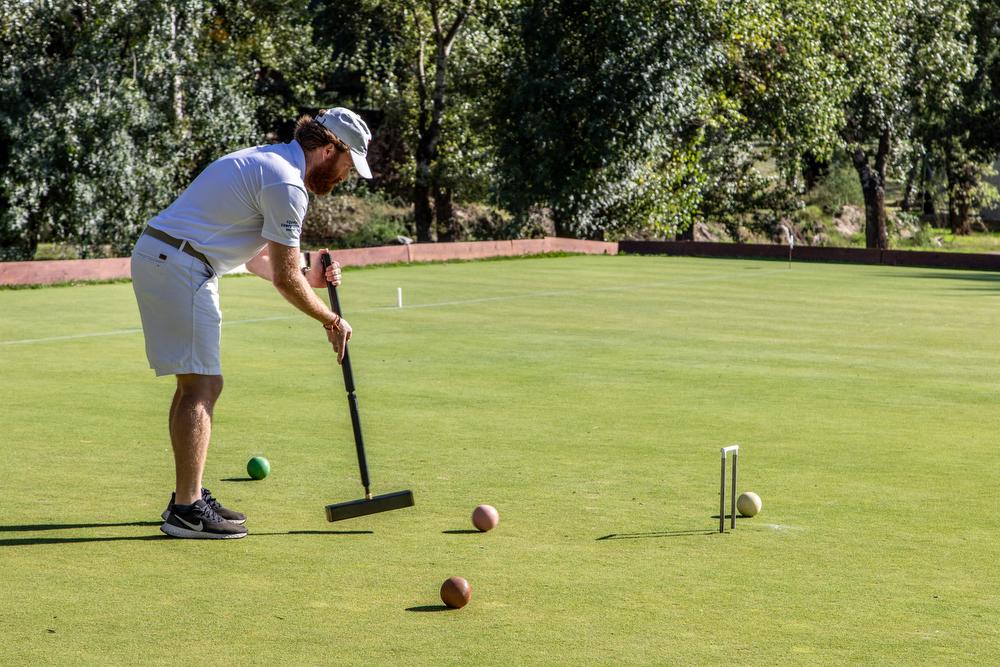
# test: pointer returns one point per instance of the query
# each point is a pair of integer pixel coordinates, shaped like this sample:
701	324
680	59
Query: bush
840	187
908	230
479	222
812	220
349	221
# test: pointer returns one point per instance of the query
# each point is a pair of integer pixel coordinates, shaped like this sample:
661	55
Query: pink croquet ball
485	517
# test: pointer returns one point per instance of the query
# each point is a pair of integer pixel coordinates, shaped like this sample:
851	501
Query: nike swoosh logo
199	527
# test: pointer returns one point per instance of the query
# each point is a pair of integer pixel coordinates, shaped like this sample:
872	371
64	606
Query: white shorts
178	298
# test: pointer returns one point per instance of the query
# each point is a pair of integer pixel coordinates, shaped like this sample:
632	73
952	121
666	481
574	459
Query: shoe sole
176	531
239	522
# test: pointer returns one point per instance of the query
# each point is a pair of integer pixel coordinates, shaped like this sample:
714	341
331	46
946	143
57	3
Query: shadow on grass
462	532
239	479
670	533
664	533
429	607
321	532
30	541
985	280
70	526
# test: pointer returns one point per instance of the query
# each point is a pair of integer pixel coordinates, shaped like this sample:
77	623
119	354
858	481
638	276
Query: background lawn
586	398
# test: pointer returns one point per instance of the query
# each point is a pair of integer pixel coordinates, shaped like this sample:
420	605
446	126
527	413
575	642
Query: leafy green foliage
598	116
778	81
839	187
606	119
427	83
109	108
958	134
735	192
355	221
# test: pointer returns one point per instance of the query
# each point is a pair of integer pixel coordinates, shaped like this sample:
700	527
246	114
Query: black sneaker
232	516
200	521
229	515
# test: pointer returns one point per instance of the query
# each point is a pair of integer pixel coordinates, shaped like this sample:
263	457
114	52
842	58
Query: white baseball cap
349	128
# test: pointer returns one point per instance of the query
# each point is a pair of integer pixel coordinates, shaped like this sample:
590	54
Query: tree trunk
429	131
928	206
963	225
911	176
952	180
962	181
28	243
422	213
686	234
873	187
875	227
429	120
964	187
444	213
952	212
562	224
814	169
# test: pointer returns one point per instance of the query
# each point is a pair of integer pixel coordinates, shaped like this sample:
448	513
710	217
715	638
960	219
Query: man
245	208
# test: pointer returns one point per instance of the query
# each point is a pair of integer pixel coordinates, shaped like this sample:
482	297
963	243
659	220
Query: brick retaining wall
60	271
922	258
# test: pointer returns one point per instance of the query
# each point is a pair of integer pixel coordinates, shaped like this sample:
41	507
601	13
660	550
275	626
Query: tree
108	108
960	134
440	33
775	93
417	61
805	77
599	115
898	55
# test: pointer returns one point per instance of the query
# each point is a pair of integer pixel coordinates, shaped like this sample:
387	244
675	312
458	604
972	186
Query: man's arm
260	265
282	263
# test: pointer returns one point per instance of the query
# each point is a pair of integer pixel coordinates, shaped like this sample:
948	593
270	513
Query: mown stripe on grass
439	304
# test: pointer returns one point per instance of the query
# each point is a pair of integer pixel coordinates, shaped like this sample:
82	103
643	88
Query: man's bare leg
173	409
191	431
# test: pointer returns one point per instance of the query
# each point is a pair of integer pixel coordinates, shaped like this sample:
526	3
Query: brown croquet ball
485	517
456	592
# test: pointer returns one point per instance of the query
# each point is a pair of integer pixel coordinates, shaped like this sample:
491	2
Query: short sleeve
284	208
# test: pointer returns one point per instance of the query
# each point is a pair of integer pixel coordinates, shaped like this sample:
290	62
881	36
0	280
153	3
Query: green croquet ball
258	467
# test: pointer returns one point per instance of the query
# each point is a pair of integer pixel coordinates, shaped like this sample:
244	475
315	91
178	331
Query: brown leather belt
184	246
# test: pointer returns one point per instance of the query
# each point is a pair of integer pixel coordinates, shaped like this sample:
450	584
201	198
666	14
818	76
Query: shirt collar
298	157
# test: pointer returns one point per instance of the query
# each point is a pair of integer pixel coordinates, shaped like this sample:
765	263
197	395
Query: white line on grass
120	332
439	304
25	341
532	295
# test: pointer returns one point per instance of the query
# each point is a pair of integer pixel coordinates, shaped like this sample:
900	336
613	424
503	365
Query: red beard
321	179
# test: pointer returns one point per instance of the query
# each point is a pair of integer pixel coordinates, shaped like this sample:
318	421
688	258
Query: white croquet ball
748	503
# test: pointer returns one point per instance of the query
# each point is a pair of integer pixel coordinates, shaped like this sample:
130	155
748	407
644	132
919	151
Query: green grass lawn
586	398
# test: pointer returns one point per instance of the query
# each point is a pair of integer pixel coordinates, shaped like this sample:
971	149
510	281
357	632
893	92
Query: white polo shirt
239	203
